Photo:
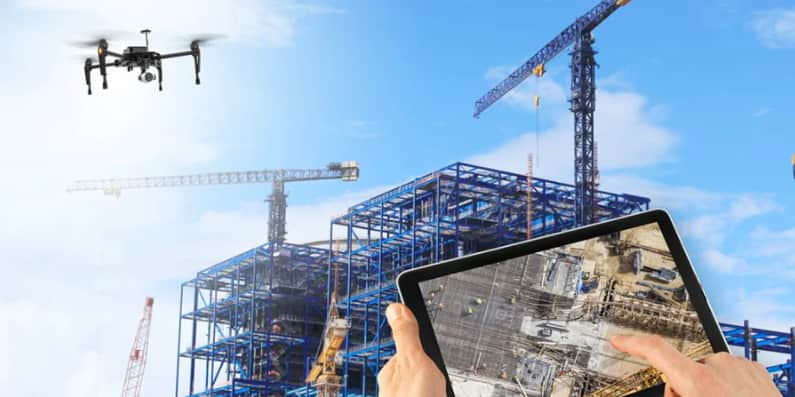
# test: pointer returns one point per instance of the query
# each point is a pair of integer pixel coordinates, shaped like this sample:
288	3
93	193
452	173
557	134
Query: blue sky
692	111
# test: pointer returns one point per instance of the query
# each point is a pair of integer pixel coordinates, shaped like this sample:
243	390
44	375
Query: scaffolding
754	340
250	325
456	210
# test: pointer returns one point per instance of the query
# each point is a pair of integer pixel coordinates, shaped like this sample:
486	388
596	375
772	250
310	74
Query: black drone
138	57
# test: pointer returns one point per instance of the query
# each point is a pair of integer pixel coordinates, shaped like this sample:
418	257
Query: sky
691	112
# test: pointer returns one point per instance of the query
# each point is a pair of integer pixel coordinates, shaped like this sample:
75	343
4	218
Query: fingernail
393	312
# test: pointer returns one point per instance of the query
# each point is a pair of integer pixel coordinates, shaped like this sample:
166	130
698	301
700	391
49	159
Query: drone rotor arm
176	54
114	54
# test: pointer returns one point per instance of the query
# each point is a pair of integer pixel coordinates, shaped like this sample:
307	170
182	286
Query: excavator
323	375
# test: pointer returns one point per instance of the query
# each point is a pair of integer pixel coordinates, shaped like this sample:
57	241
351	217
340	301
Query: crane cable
539	72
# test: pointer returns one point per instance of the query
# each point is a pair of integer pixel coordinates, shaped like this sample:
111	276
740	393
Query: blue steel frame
753	340
456	210
252	322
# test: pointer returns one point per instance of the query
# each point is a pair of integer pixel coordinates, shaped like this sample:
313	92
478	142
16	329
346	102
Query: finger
669	392
678	369
405	330
386	373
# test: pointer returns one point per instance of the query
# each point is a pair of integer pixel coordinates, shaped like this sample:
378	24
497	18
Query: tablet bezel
408	281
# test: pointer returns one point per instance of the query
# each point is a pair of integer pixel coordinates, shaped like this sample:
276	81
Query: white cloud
310	222
316	8
775	28
712	227
269	22
760	112
663	195
728	248
768	308
77	266
81	273
628	134
777	246
747	206
722	262
523	96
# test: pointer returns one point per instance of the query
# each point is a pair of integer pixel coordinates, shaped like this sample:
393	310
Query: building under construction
251	325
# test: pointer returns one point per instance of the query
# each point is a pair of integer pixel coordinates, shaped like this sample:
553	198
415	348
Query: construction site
288	319
453	211
538	325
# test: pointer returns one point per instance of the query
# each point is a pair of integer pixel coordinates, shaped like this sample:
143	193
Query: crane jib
567	37
217	178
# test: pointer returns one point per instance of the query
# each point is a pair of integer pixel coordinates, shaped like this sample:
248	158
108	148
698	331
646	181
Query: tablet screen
538	325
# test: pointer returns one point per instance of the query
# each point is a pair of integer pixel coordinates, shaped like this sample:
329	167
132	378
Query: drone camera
146	77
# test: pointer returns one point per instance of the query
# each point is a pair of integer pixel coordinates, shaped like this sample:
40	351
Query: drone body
137	57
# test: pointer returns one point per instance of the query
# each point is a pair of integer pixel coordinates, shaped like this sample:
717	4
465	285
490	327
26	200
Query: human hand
410	372
720	375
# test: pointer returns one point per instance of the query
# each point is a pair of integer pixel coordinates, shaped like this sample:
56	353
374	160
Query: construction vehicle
583	98
323	375
133	377
347	171
662	275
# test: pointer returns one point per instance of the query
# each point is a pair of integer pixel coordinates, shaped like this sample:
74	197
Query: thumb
405	330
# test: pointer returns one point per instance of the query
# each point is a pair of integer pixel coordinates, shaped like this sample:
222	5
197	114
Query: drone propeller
94	39
206	38
83	57
92	43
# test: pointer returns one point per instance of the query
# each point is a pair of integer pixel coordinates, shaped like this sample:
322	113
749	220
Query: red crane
135	367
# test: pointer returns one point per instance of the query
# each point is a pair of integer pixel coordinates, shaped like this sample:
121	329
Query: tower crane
140	348
583	95
347	171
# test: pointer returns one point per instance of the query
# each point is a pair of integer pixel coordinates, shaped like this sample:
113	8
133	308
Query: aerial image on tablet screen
538	325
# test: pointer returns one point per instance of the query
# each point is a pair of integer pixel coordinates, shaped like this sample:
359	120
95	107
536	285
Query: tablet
534	318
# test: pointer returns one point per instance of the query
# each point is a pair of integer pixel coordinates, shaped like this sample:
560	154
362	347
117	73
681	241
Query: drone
140	58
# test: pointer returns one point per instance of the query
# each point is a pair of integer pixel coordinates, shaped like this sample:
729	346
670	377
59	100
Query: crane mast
133	378
583	97
347	171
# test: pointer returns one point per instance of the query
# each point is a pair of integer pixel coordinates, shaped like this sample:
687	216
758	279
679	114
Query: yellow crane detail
647	377
323	375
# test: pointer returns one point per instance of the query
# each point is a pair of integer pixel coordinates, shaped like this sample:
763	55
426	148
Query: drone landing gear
196	60
87	70
102	53
159	76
